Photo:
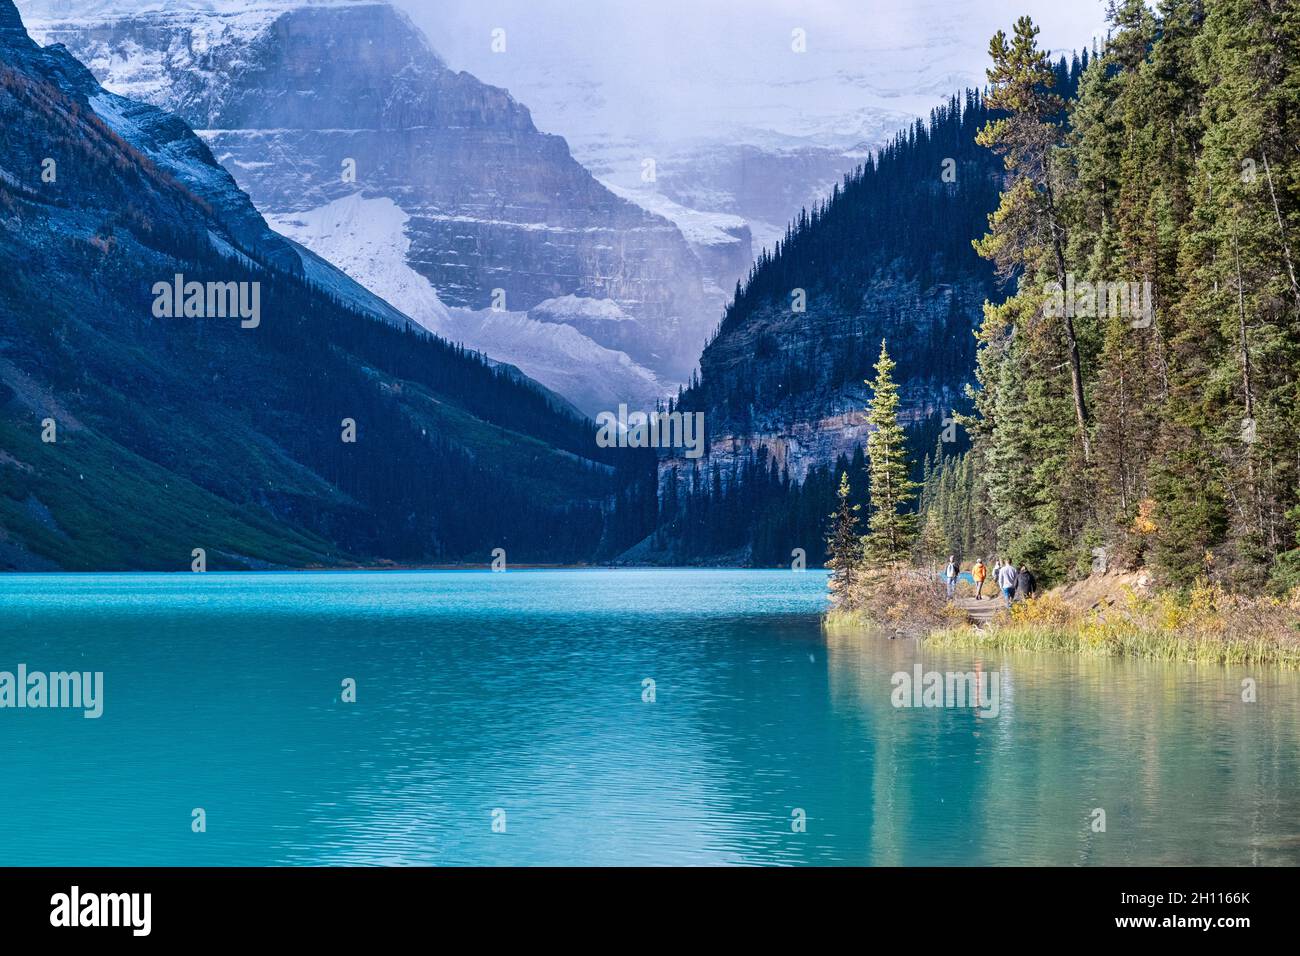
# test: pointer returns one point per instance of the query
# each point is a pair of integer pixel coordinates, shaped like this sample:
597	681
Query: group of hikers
1015	583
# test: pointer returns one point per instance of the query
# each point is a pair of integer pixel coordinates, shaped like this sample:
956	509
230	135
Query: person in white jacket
1006	578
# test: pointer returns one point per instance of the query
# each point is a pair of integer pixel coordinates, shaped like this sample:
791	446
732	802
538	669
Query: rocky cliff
308	104
794	384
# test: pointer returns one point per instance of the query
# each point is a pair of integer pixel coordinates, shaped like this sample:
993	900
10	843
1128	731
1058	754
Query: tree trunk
1072	341
1286	249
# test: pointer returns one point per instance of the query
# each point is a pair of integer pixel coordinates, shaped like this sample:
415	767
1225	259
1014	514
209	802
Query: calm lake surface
523	692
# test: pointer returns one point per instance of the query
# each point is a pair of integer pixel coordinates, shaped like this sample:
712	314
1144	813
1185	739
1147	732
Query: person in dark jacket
1025	584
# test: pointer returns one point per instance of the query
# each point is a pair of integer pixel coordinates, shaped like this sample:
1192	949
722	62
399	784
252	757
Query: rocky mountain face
314	426
748	111
810	369
309	104
782	387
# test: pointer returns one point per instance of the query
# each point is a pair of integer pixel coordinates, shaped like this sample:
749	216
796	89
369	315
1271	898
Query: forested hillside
1166	435
897	221
321	434
887	255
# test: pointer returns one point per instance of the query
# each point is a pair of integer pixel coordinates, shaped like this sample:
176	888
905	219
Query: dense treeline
1165	434
954	508
880	222
754	512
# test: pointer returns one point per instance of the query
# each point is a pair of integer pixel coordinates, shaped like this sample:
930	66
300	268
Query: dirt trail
980	612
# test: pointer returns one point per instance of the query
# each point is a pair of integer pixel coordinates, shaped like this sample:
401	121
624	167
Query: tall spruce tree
891	527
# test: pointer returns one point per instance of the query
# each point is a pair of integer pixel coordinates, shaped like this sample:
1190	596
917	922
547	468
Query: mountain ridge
497	210
131	441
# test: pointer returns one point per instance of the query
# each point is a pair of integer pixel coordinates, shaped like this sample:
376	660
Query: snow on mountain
142	72
570	307
559	356
699	227
679	70
744	114
367	238
478	203
723	242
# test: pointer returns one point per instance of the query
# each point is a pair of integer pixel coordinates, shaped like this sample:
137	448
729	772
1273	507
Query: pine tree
891	527
1027	232
843	543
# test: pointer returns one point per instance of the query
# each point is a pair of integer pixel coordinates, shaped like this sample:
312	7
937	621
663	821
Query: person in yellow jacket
979	573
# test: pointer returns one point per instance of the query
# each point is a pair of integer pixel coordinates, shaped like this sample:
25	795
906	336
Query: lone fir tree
891	528
843	542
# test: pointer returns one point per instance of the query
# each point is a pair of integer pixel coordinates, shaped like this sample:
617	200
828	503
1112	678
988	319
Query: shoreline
403	568
1128	644
1119	616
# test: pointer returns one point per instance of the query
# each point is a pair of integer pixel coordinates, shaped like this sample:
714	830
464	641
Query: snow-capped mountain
357	140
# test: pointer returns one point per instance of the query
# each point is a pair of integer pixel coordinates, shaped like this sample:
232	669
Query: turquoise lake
518	699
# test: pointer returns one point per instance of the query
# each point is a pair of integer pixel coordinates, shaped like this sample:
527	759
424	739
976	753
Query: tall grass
1208	626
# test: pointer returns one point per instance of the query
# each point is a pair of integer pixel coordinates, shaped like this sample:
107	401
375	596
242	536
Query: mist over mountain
739	123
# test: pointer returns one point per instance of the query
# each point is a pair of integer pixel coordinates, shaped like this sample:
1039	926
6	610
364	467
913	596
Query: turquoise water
523	692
